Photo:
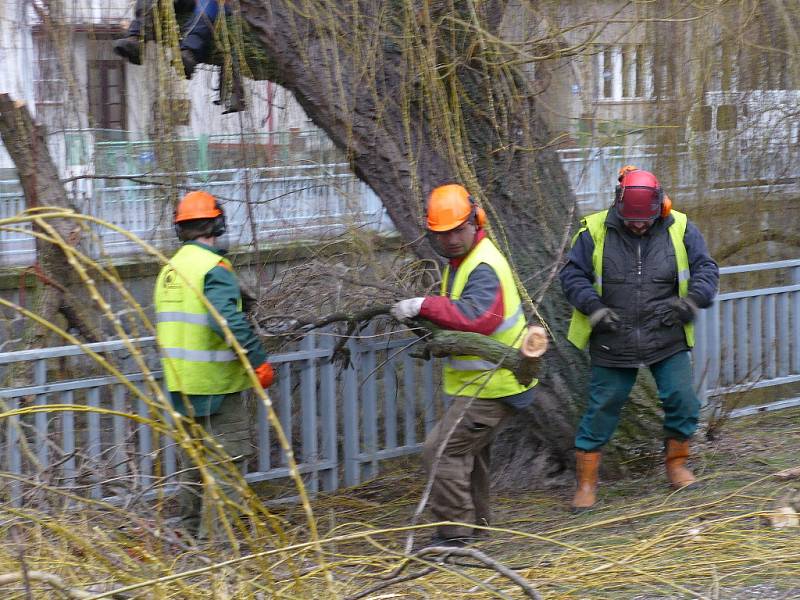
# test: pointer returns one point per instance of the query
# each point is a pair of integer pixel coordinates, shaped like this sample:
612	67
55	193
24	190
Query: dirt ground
642	542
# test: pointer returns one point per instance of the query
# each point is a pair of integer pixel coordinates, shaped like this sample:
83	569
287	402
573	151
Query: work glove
605	320
682	310
265	374
406	309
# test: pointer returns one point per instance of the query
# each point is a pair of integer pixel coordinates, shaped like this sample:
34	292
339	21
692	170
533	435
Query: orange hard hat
449	206
197	205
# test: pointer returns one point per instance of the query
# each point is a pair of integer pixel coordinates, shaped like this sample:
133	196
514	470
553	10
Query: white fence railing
719	167
281	208
295	195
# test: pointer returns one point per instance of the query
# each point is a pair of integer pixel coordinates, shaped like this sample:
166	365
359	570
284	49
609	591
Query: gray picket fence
749	339
343	421
340	421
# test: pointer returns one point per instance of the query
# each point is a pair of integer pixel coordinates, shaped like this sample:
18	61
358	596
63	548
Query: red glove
265	375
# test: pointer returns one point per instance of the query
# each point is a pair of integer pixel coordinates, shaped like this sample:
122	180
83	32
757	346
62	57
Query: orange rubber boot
587	464
679	475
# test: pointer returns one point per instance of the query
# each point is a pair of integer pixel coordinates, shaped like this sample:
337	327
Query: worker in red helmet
203	374
636	276
478	294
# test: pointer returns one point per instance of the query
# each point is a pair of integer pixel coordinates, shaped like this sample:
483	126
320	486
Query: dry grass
641	542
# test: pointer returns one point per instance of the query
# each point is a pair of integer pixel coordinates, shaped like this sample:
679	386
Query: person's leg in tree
197	39
130	47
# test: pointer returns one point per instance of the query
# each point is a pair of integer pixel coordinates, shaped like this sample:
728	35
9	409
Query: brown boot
189	62
586	466
130	48
677	451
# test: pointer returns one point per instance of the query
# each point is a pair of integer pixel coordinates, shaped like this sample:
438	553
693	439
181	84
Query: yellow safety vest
579	328
473	376
196	360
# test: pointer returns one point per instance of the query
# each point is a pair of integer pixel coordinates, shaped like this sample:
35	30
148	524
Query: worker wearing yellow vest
478	294
203	374
636	276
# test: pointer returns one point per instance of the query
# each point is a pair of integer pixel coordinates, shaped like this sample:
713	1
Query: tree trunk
42	187
419	94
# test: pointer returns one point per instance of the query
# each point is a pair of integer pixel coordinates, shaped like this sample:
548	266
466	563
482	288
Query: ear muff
220	226
666	205
478	213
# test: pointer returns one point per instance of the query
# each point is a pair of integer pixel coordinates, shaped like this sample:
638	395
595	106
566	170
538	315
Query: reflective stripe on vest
579	328
473	376
182	317
510	321
195	358
200	355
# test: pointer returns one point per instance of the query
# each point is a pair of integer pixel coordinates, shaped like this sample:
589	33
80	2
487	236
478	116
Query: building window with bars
48	82
624	72
107	93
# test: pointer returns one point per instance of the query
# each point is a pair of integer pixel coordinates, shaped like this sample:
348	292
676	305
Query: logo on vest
172	286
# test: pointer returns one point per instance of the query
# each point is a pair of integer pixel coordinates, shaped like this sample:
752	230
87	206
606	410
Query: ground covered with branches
642	542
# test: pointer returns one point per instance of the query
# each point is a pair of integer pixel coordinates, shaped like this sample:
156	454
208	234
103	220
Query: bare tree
42	187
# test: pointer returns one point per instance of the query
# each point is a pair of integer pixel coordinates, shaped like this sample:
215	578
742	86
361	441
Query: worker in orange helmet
203	374
478	294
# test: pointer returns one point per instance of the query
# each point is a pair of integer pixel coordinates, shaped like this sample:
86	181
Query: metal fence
341	422
721	168
749	339
283	186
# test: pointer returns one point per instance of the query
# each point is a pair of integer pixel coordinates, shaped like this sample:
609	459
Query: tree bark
418	94
41	185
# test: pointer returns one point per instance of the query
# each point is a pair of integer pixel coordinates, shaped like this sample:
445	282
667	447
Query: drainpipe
270	123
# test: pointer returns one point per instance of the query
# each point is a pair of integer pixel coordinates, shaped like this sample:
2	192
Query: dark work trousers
609	390
460	489
197	30
231	428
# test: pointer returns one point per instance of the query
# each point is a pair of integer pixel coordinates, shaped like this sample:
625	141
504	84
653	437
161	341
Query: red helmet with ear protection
639	196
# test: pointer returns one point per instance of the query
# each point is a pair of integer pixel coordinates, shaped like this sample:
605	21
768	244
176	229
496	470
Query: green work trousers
231	427
461	480
609	390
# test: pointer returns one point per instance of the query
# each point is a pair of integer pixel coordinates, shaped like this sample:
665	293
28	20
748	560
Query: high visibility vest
579	328
474	376
196	360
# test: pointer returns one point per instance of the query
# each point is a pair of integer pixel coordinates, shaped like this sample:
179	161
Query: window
49	85
726	117
702	118
624	73
107	94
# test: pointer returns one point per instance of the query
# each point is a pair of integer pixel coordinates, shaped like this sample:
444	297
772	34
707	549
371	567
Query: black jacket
639	279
